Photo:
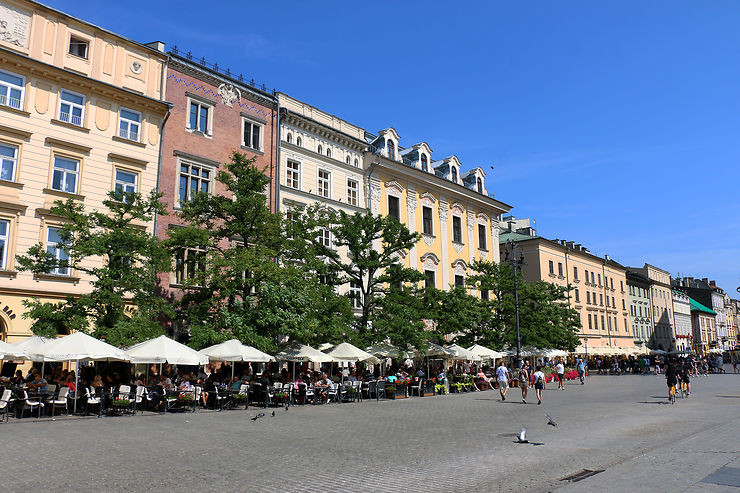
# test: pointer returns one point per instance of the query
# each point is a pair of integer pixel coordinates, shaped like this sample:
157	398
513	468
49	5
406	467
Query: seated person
185	385
236	383
39	383
391	378
18	378
352	376
323	386
70	382
97	382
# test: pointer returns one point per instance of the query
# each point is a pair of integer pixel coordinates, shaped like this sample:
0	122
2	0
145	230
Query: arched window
454	174
328	152
289	138
321	149
424	163
357	163
480	185
348	159
391	150
298	141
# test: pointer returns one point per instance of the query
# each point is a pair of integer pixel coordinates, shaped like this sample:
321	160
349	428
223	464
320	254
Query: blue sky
612	124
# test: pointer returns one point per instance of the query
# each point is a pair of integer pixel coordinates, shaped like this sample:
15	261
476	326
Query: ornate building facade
81	114
661	304
638	300
682	320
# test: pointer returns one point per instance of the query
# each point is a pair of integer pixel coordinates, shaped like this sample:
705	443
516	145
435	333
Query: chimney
713	283
570	244
606	257
157	45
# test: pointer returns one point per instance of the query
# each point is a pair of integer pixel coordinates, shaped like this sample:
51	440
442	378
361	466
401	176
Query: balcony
128	134
71	119
12	102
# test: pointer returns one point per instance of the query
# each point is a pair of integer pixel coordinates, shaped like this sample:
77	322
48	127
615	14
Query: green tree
113	248
401	312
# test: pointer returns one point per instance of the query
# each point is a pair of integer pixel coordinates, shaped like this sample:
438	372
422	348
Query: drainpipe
368	176
606	305
161	134
277	157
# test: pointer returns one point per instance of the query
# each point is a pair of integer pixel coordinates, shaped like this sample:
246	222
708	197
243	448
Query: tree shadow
654	402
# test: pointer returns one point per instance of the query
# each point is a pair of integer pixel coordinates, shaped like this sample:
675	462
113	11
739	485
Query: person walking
502	375
539	384
524	381
671	378
581	366
560	369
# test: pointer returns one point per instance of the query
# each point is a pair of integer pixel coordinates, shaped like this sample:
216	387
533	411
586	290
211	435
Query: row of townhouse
623	306
86	111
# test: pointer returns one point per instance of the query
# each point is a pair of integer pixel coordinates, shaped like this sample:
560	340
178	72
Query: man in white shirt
560	369
502	375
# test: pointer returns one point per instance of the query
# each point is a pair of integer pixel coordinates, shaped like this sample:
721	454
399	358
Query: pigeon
523	436
550	421
273	414
286	408
260	415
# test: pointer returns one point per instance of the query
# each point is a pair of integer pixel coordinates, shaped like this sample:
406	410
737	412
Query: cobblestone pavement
623	425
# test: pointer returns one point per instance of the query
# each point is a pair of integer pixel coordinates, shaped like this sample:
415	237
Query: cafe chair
31	405
92	398
61	400
5	401
141	395
418	388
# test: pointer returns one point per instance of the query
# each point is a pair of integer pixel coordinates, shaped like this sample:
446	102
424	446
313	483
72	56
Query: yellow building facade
456	217
81	114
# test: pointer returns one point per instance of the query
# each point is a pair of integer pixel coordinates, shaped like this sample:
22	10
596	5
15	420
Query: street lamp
585	341
512	259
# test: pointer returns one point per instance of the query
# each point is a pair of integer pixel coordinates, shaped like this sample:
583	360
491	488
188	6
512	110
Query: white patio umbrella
462	353
31	346
347	352
301	352
77	347
7	351
555	353
384	350
233	350
484	352
162	349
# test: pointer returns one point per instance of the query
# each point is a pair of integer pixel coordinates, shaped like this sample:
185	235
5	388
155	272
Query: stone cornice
323	131
320	157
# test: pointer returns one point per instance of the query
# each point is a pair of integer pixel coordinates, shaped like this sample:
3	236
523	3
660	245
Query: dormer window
454	174
424	163
479	183
391	150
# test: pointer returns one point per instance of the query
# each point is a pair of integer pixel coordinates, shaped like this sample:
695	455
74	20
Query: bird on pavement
273	414
260	415
550	421
523	436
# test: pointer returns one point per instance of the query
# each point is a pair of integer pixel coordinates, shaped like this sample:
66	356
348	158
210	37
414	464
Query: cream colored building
81	113
320	162
599	283
661	302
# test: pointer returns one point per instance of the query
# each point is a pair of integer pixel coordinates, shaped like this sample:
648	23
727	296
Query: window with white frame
347	159
252	135
320	149
129	124
65	174
4	242
457	229
391	150
424	163
126	183
324	237
298	142
194	179
357	162
293	174
78	47
355	294
200	114
482	243
72	107
57	248
353	188
394	207
328	152
454	174
8	161
12	89
426	220
188	263
289	138
324	183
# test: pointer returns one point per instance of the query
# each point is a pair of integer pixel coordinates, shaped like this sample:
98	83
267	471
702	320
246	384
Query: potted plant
429	385
402	386
121	403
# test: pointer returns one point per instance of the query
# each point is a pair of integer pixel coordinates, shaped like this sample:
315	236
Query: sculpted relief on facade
14	25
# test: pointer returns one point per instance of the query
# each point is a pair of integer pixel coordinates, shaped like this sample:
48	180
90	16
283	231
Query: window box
396	391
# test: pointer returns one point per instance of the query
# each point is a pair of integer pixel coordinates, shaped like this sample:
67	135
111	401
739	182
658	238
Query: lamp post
585	341
511	258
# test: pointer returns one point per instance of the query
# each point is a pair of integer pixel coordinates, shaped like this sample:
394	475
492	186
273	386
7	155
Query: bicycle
683	387
672	394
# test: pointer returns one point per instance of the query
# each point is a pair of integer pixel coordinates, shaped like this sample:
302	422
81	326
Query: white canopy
384	350
162	349
484	352
347	352
7	351
462	353
80	347
555	353
234	350
32	346
436	351
301	352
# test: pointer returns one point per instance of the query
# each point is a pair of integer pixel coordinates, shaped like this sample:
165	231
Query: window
320	149
252	135
588	297
357	163
482	237
78	47
599	277
601	299
456	229
352	190
188	263
289	138
4	242
586	273
590	325
391	150
429	281
126	182
603	325
72	108
575	273
424	163
560	269
199	116
578	296
592	278
355	293
325	237
347	159
58	249
479	183
459	281
484	294
596	322
611	282
324	183
609	322
328	152
64	174
607	302
298	141
8	161
129	125
194	179
427	224
293	174
394	209
454	174
551	266
614	304
12	89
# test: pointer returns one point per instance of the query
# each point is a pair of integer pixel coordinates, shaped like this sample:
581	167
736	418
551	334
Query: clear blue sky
612	124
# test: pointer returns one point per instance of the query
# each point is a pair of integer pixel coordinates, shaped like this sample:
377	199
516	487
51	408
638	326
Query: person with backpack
539	384
581	370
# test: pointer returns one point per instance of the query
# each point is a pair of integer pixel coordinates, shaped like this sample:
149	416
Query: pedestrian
502	375
560	369
539	384
524	381
581	370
